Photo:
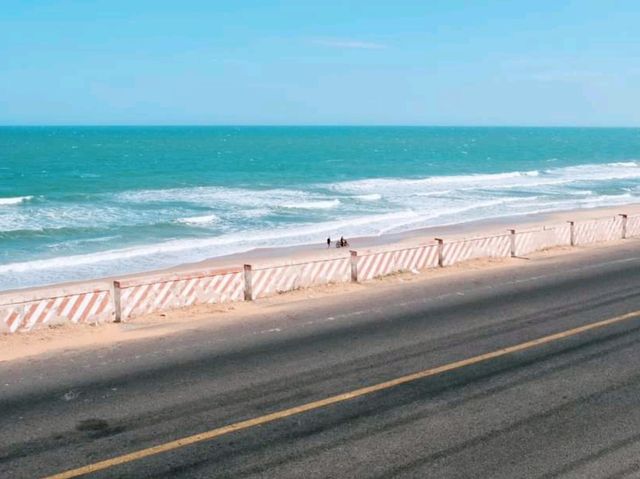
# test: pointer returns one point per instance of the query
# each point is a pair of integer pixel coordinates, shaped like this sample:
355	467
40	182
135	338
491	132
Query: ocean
85	202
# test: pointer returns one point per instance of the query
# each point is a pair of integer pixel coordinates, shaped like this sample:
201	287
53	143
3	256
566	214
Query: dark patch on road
96	427
92	425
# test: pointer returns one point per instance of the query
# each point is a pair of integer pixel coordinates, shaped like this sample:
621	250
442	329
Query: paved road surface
568	408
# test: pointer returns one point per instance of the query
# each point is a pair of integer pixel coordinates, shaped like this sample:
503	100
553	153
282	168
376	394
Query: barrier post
512	242
116	292
440	252
248	283
354	266
572	233
624	225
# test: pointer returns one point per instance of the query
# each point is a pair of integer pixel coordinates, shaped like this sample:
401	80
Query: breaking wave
199	220
15	200
369	197
313	205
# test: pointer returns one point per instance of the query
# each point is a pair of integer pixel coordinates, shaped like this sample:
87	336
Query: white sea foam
369	197
199	220
90	215
218	196
313	205
510	180
383	184
623	163
395	190
253	213
433	193
79	242
15	200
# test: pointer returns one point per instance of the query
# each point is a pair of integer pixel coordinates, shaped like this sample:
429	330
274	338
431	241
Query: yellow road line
221	431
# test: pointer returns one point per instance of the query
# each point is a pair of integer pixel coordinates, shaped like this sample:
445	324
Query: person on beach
329	242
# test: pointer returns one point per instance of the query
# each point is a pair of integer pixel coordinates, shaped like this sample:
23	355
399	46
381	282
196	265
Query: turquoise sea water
84	202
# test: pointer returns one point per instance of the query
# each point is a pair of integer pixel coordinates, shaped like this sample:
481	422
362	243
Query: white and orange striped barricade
381	263
145	295
543	238
457	251
270	280
633	226
597	230
76	304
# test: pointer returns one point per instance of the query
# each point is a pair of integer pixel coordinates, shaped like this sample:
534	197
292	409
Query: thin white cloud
568	76
350	44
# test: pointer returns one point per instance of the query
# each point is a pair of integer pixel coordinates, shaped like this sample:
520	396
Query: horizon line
298	125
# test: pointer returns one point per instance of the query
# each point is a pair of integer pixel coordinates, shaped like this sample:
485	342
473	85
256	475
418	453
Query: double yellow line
356	393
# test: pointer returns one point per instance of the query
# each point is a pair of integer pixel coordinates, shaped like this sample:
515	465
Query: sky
290	62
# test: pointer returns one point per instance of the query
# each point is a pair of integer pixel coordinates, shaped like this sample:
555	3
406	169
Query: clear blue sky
431	62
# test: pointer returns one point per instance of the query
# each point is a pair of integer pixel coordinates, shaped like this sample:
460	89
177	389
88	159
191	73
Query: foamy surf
199	220
15	200
313	205
369	197
518	179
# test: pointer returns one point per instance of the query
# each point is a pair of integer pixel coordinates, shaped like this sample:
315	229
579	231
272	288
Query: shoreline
417	237
260	257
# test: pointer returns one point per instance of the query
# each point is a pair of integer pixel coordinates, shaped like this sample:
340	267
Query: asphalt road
568	408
